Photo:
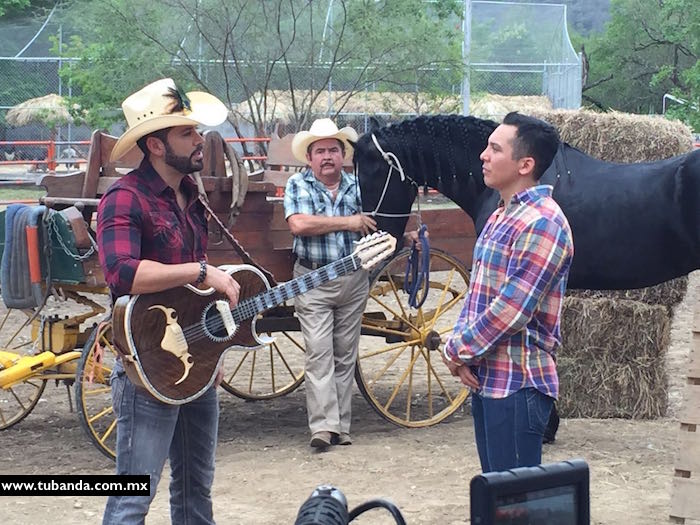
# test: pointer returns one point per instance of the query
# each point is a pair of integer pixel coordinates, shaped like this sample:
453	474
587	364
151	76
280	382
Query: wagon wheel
94	398
400	369
273	370
18	400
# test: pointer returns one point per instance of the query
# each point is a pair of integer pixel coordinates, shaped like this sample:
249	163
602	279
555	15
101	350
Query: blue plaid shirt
305	194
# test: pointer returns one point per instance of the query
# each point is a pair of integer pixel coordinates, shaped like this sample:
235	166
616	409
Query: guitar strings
248	308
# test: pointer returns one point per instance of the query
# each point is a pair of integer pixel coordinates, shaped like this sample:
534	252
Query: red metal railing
51	160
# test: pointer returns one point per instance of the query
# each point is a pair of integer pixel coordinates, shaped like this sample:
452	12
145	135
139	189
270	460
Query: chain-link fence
515	50
518	49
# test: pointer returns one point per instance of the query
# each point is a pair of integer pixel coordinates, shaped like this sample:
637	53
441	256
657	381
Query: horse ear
375	123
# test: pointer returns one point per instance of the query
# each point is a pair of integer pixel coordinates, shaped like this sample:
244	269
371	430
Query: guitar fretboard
252	306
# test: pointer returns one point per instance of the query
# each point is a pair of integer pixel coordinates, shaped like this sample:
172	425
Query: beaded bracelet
202	273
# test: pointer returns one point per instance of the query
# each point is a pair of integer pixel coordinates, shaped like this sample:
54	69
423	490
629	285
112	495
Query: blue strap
418	270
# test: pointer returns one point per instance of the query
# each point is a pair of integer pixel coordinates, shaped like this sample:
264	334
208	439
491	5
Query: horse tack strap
417	276
394	164
237	247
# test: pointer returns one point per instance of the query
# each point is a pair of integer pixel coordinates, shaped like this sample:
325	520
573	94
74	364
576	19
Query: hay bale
492	106
667	294
620	137
280	105
607	369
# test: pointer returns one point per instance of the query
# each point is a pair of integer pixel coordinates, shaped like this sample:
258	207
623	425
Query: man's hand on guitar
222	282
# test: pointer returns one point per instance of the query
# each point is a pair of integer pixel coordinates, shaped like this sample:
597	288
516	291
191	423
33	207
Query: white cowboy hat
162	105
323	128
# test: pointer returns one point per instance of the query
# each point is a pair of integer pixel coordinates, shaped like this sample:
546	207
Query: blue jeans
509	431
148	432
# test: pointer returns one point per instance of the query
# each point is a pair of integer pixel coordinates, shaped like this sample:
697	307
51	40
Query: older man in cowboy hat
323	210
152	236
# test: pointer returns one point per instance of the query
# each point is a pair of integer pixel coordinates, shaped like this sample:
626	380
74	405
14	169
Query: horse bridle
417	276
394	164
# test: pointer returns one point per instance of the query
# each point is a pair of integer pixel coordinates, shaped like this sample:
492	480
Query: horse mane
433	149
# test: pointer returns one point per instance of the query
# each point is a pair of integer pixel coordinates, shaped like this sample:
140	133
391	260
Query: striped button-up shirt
307	195
139	218
508	331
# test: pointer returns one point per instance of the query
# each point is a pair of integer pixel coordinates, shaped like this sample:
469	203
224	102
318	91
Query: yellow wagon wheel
93	392
19	399
400	369
273	370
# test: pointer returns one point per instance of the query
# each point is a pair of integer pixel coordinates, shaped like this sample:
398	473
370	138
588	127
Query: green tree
649	48
19	7
10	6
247	51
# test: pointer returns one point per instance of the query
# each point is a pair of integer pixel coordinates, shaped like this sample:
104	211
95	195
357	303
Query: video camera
555	493
327	505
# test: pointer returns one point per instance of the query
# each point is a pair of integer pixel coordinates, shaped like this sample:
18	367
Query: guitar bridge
225	312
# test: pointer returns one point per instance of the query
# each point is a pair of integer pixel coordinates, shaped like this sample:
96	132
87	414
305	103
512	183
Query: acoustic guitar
172	341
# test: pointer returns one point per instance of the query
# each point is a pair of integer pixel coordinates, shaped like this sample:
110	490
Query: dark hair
534	138
342	146
161	134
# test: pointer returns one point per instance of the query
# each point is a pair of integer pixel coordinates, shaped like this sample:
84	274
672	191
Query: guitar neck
252	306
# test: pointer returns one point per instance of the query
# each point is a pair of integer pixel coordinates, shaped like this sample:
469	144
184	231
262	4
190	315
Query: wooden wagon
399	370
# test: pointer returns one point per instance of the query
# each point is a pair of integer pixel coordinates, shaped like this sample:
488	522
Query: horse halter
417	277
394	164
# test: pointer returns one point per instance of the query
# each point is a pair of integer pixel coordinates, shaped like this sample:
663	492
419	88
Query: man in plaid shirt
505	341
322	208
152	236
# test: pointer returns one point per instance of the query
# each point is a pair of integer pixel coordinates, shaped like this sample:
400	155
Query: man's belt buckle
309	264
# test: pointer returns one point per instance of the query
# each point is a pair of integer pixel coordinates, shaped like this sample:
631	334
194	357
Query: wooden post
685	503
51	154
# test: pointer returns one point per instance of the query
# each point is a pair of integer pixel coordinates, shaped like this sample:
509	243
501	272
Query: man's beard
184	165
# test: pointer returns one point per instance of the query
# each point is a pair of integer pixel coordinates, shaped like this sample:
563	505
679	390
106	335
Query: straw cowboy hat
323	128
162	105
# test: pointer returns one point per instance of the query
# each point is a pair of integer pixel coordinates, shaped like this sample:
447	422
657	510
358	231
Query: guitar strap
245	257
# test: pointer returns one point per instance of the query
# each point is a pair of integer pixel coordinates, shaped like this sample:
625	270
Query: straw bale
607	369
667	294
620	137
498	106
279	103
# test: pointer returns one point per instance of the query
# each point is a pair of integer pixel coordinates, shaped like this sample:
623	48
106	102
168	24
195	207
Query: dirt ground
265	469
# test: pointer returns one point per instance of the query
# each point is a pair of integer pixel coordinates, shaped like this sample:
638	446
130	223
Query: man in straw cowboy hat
323	210
152	236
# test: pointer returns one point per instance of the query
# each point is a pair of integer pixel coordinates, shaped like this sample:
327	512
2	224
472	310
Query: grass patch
21	193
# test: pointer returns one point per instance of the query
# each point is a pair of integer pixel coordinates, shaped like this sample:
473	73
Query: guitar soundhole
214	325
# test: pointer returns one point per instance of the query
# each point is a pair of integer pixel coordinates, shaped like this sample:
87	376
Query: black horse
634	225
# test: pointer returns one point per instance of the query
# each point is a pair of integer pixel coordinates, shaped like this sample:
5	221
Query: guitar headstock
374	248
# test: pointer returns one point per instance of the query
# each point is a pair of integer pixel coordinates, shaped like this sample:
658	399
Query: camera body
544	494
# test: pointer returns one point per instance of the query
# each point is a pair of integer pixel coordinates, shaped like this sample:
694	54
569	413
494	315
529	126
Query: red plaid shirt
139	218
